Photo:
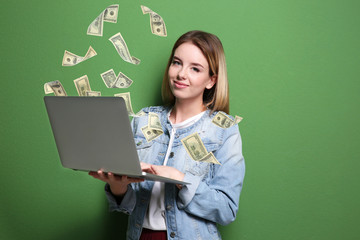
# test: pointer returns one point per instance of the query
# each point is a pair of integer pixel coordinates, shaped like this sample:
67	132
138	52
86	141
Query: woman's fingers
166	171
112	178
147	168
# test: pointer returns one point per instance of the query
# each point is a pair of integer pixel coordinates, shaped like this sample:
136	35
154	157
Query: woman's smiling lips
179	84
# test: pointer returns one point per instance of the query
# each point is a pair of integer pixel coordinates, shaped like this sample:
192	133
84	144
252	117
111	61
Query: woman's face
189	73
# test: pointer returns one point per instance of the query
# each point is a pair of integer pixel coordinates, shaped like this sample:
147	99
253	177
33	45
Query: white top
155	215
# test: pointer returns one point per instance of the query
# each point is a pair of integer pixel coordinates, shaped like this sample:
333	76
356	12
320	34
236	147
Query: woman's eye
175	62
196	69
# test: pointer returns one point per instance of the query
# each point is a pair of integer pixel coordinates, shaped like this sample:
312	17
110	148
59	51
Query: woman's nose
181	74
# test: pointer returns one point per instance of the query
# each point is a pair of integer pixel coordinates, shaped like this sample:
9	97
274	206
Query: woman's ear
213	80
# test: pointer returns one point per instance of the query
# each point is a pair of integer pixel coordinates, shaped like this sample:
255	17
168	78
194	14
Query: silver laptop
93	133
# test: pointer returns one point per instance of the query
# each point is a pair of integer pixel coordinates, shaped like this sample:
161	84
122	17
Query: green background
293	71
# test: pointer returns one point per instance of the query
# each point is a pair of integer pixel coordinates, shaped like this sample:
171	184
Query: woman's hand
118	184
164	171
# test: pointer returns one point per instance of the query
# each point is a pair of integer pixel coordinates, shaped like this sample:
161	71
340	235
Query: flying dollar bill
150	134
223	121
157	24
122	81
196	149
82	85
96	27
127	98
120	45
194	146
110	14
113	81
154	128
154	122
237	119
210	158
145	9
71	59
93	94
109	78
54	87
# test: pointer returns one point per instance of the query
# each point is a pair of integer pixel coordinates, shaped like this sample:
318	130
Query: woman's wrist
118	191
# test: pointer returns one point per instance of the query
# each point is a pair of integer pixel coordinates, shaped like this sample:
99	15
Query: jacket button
172	234
171	155
168	207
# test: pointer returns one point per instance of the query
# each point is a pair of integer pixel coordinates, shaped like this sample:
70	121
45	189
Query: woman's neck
184	110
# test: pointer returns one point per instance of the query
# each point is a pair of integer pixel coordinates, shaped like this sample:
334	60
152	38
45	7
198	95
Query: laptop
93	133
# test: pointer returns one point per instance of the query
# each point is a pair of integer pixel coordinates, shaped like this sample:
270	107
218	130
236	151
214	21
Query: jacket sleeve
216	197
127	204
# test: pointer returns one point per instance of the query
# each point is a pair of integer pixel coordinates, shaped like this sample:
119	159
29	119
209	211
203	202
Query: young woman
195	93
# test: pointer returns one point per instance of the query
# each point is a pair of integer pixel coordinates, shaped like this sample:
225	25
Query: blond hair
216	98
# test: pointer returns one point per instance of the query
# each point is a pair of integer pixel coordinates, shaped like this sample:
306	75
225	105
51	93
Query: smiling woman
189	76
209	51
198	143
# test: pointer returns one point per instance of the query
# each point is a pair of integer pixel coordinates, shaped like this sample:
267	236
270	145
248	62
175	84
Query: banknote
153	129
222	120
154	122
157	24
109	78
122	81
71	59
93	94
120	45
210	158
145	9
126	97
150	134
54	87
110	14
112	81
96	27
194	146
82	85
237	119
135	60
196	149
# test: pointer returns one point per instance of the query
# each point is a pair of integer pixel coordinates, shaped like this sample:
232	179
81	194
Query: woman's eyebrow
197	64
194	64
176	58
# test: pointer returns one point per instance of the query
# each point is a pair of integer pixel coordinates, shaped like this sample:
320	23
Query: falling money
113	81
154	122
93	93
110	14
109	78
153	129
82	85
157	24
223	121
120	45
196	149
150	134
71	59
126	97
54	87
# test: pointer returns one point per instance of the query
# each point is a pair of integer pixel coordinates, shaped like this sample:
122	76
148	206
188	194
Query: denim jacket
213	195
